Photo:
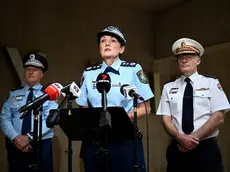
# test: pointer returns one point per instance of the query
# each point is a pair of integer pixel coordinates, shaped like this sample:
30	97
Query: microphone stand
69	97
54	116
69	150
36	164
104	124
136	166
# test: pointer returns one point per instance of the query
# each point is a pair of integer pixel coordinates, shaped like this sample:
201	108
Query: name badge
18	97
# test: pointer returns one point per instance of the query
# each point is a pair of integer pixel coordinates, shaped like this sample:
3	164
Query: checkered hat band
34	63
187	49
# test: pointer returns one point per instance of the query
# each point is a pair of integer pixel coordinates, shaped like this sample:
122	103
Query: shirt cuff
12	136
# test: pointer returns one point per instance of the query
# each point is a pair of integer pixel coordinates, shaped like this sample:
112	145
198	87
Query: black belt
212	139
208	140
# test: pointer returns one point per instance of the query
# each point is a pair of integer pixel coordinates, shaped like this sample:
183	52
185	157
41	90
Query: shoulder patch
219	87
82	80
94	67
142	77
210	76
128	64
14	89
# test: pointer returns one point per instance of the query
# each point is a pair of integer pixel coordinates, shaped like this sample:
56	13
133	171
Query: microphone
70	91
103	86
130	92
71	88
45	86
103	83
52	92
53	118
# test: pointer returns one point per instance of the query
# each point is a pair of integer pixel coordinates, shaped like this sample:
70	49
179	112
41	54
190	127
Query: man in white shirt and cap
192	107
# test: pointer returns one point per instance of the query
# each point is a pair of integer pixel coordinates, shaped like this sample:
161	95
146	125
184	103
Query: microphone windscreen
103	82
53	91
122	88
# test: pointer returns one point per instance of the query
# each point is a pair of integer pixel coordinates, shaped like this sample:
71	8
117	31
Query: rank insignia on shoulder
14	89
173	79
128	64
142	77
95	67
210	76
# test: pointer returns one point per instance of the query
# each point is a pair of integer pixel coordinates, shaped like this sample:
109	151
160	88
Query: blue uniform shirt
129	73
10	117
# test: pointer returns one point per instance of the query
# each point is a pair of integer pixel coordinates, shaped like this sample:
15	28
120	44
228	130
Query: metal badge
32	56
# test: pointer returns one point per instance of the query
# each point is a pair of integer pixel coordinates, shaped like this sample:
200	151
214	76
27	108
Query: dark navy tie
26	123
187	111
110	69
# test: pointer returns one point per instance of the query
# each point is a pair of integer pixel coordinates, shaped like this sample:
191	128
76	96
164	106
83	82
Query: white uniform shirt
208	97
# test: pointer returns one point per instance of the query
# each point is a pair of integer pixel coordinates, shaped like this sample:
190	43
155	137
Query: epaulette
210	76
14	89
94	67
172	80
128	64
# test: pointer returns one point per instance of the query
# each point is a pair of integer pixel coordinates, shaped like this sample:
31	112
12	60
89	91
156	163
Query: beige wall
205	21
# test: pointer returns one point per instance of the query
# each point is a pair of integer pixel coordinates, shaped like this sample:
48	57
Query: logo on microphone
59	86
104	76
103	83
75	88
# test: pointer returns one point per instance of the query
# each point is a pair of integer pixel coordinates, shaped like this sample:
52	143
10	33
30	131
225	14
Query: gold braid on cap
187	49
183	49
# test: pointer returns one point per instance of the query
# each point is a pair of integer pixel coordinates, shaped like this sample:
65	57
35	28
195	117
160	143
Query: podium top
81	123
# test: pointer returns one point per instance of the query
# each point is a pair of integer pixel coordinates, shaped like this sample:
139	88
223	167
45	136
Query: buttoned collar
116	65
193	77
36	87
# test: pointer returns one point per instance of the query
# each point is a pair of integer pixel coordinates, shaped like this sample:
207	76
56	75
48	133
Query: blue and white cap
112	31
35	59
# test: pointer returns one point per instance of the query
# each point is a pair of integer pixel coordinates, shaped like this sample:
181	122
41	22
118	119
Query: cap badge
32	56
110	28
183	44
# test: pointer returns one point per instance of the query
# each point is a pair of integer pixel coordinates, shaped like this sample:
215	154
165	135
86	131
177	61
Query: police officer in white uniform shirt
192	108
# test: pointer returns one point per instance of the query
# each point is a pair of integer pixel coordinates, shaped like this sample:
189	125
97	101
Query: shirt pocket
15	106
174	103
202	98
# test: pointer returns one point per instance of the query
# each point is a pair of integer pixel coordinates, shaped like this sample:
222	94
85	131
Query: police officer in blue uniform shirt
192	109
112	44
19	132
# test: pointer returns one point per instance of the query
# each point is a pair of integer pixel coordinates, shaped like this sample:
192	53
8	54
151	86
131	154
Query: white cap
187	46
